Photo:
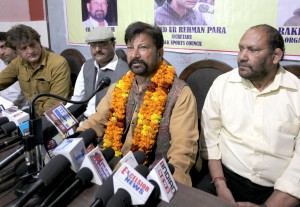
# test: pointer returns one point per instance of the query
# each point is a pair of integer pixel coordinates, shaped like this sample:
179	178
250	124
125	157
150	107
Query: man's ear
88	7
160	53
277	55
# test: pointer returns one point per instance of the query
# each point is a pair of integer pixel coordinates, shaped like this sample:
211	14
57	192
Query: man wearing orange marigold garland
149	109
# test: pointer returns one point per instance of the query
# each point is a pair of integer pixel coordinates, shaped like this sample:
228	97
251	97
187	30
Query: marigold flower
149	115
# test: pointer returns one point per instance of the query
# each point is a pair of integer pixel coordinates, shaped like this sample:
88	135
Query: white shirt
79	86
255	134
13	92
90	22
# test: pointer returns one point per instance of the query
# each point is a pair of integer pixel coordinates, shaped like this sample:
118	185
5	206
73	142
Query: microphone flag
61	118
162	175
15	115
134	183
73	149
96	162
129	159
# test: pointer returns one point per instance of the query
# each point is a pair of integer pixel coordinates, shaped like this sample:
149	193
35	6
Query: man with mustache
104	63
251	126
97	10
13	93
149	109
37	69
178	12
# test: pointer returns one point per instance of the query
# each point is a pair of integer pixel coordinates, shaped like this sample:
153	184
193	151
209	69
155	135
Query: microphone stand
34	141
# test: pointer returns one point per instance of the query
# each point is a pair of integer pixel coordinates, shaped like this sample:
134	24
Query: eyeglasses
140	48
100	44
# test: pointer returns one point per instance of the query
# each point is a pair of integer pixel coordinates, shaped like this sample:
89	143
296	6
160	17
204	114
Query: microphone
120	199
77	109
139	156
12	171
18	117
106	190
36	124
15	115
8	128
74	150
47	176
154	197
114	162
85	175
82	178
18	152
162	175
50	132
89	137
3	120
10	142
97	163
133	159
134	181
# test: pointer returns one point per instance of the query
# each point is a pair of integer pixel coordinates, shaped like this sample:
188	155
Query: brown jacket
183	129
53	76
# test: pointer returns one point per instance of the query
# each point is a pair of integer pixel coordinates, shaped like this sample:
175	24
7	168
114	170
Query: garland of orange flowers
149	115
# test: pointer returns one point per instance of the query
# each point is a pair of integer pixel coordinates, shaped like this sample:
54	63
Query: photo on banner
99	13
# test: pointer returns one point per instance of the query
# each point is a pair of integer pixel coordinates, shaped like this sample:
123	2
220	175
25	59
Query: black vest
89	75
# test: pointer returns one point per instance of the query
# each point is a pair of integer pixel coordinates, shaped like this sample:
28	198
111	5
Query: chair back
200	76
75	60
121	54
295	69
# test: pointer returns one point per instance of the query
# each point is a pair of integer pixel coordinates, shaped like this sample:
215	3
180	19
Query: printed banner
204	26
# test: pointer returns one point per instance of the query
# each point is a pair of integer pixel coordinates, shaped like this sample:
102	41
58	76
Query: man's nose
243	55
136	52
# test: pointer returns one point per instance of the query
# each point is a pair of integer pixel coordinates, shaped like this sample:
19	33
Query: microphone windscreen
155	193
114	162
75	135
77	109
103	83
143	170
121	199
8	127
89	137
139	156
56	167
108	153
106	190
3	120
171	168
106	81
85	175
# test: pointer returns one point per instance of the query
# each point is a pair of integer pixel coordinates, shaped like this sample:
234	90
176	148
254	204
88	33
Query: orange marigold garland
149	115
